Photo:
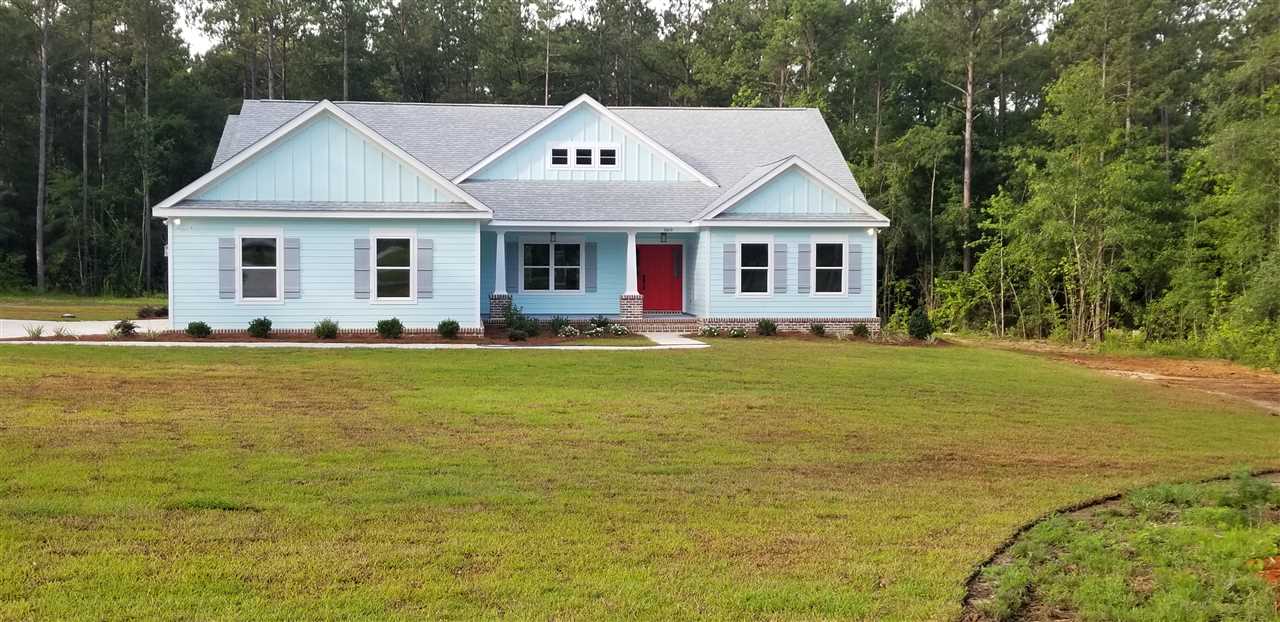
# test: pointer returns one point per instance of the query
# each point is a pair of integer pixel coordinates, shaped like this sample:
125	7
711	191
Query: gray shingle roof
728	145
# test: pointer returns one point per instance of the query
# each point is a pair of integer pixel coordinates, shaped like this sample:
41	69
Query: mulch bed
300	337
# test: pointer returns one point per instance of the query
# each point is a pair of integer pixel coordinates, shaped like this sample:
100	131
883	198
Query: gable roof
728	146
762	175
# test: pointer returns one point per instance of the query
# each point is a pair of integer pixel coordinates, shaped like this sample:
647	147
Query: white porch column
632	286
500	265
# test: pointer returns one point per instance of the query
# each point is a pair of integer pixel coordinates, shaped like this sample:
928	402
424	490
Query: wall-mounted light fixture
177	221
663	237
553	237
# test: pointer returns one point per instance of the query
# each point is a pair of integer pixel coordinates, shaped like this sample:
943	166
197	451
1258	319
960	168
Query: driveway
18	328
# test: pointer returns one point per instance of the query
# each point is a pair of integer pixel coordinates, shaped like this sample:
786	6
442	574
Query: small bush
860	331
766	328
558	323
125	328
516	320
152	334
568	331
199	329
918	325
326	329
817	330
618	330
64	332
738	333
595	331
260	328
600	321
710	331
34	332
448	329
148	312
390	329
517	335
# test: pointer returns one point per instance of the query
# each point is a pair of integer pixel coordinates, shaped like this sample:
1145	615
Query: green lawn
755	479
626	340
51	306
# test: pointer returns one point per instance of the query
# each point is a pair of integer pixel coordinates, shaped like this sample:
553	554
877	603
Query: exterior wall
326	160
790	304
792	192
700	252
327	275
529	160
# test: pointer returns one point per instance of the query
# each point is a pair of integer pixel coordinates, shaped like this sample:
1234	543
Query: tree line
1052	168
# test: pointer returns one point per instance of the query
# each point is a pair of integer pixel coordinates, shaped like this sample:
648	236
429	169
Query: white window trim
278	235
844	266
393	234
595	148
768	268
568	161
551	267
617	159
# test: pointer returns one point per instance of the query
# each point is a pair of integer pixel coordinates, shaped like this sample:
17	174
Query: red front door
660	271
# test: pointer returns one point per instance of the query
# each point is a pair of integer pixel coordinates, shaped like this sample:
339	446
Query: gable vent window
584	156
559	156
608	157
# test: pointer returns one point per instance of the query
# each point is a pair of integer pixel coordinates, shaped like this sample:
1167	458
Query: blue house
665	218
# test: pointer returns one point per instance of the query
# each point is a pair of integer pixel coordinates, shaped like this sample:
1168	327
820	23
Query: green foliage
260	328
517	321
558	323
818	329
860	331
199	329
600	321
918	325
326	329
391	328
766	328
448	329
147	312
125	328
737	333
517	335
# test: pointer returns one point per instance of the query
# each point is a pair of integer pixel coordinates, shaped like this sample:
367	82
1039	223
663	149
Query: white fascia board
824	224
182	212
321	107
584	100
570	225
720	207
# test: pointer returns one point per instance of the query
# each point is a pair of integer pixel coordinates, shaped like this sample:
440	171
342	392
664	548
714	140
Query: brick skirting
498	306
794	324
630	308
468	332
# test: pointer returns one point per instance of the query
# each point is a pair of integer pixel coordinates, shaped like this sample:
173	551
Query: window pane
537	254
568	255
536	279
560	157
256	283
608	157
827	281
830	255
394	252
582	157
567	278
755	255
393	283
755	281
258	252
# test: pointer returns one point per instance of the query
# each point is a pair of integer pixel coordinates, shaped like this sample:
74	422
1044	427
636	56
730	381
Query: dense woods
1052	168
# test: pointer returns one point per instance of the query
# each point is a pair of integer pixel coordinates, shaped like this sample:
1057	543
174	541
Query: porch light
553	237
177	221
871	231
663	237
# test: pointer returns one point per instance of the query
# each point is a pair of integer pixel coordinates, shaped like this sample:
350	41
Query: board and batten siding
327	274
792	303
528	161
699	250
326	160
792	192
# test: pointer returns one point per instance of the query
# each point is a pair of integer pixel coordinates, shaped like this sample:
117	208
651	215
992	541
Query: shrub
152	334
738	333
125	328
595	331
260	328
516	320
63	332
558	323
517	335
817	330
390	329
34	332
766	328
326	329
600	321
618	330
710	331
861	331
568	331
918	325
199	329
148	312
448	329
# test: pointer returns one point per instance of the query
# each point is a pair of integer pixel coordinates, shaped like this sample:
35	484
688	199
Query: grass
626	340
51	306
1170	552
759	478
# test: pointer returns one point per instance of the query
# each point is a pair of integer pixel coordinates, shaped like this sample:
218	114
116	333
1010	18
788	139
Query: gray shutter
226	267
292	268
780	268
513	266
802	268
855	268
362	268
589	267
730	268
426	267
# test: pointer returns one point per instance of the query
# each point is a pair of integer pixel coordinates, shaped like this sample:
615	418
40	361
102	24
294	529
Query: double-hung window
828	268
548	267
260	270
393	267
754	267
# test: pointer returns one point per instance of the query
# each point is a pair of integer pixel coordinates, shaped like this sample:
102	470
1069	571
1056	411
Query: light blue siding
327	274
529	160
792	303
792	192
699	250
326	160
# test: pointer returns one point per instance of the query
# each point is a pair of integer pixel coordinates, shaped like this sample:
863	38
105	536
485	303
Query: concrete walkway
10	329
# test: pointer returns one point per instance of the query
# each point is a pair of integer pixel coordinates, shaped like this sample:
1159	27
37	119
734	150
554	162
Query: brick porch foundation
630	308
499	304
